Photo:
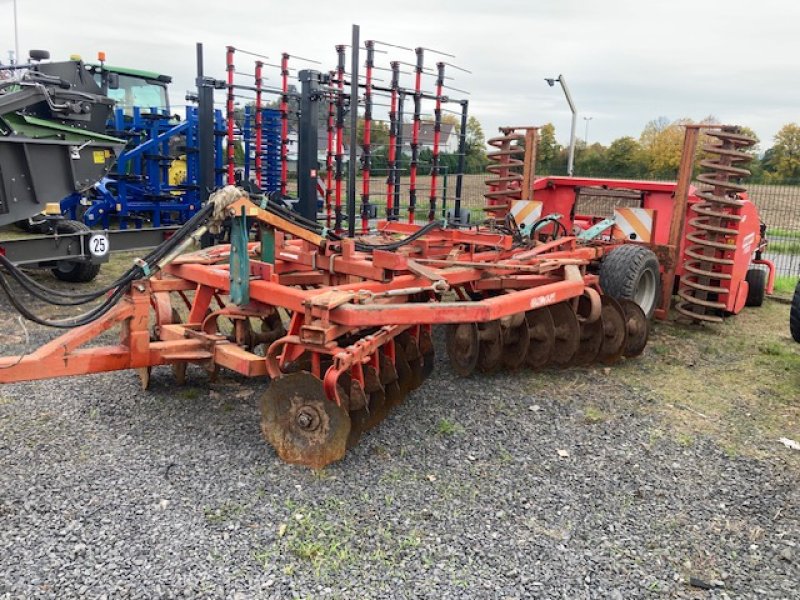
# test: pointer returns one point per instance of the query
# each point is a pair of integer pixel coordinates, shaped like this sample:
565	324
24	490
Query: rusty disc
378	406
389	380
615	333
591	338
462	347
637	328
358	416
303	426
428	353
567	333
413	357
404	374
516	340
542	334
490	354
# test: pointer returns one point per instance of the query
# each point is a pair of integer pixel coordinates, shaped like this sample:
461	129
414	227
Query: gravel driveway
478	488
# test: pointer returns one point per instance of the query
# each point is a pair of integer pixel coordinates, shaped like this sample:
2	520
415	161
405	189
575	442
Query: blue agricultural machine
155	181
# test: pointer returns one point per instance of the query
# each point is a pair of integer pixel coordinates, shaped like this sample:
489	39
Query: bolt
304	420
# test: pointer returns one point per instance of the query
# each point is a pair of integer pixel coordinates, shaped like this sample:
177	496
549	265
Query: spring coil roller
505	184
712	243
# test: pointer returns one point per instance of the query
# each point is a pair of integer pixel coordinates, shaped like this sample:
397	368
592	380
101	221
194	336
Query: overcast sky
626	61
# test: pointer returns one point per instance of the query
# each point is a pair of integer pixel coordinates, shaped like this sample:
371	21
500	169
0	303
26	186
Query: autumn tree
785	155
548	149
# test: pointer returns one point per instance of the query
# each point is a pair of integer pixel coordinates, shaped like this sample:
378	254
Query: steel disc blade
413	357
542	332
591	337
637	328
516	340
302	425
490	354
394	395
615	333
428	353
567	333
404	374
379	408
462	347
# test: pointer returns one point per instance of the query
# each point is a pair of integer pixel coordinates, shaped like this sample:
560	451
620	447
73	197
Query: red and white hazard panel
634	224
526	212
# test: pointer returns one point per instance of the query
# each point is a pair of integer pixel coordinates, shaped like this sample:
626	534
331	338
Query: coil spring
505	184
710	249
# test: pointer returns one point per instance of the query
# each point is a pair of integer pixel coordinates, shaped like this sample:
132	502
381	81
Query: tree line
656	154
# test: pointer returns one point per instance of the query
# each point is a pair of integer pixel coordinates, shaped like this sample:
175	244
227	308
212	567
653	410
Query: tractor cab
131	88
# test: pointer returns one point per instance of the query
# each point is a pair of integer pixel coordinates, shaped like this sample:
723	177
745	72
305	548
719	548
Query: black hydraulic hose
62	298
83	319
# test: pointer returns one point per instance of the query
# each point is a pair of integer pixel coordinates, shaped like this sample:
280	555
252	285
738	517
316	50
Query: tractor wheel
74	271
757	282
631	272
794	314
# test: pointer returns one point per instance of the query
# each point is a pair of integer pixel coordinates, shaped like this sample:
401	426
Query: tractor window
134	91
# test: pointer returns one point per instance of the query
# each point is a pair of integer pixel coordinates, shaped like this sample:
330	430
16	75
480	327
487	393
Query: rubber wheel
74	271
631	272
794	314
756	286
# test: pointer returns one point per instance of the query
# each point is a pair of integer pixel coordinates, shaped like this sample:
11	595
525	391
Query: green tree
785	156
625	159
591	161
476	160
548	149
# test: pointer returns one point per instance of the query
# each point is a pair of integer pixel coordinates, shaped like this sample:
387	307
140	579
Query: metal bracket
596	229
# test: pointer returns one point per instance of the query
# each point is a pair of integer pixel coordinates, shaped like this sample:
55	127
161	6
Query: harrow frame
350	313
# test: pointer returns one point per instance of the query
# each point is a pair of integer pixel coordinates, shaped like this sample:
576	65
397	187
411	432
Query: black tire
757	284
794	314
631	272
74	271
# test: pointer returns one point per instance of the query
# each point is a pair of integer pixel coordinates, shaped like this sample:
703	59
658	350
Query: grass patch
738	381
790	247
775	232
593	414
225	512
785	284
447	427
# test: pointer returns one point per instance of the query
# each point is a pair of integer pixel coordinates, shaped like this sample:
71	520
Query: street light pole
16	35
571	159
586	131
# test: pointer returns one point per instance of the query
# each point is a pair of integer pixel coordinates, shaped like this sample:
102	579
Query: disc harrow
344	327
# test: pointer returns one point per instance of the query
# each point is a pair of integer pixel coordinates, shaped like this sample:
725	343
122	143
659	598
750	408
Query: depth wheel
303	426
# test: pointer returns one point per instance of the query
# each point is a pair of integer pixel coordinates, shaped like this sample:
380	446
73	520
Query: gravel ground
478	488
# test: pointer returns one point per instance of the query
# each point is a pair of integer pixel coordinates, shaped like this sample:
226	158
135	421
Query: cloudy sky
626	61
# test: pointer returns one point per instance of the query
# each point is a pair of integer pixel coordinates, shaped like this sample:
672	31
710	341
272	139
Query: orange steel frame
330	289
